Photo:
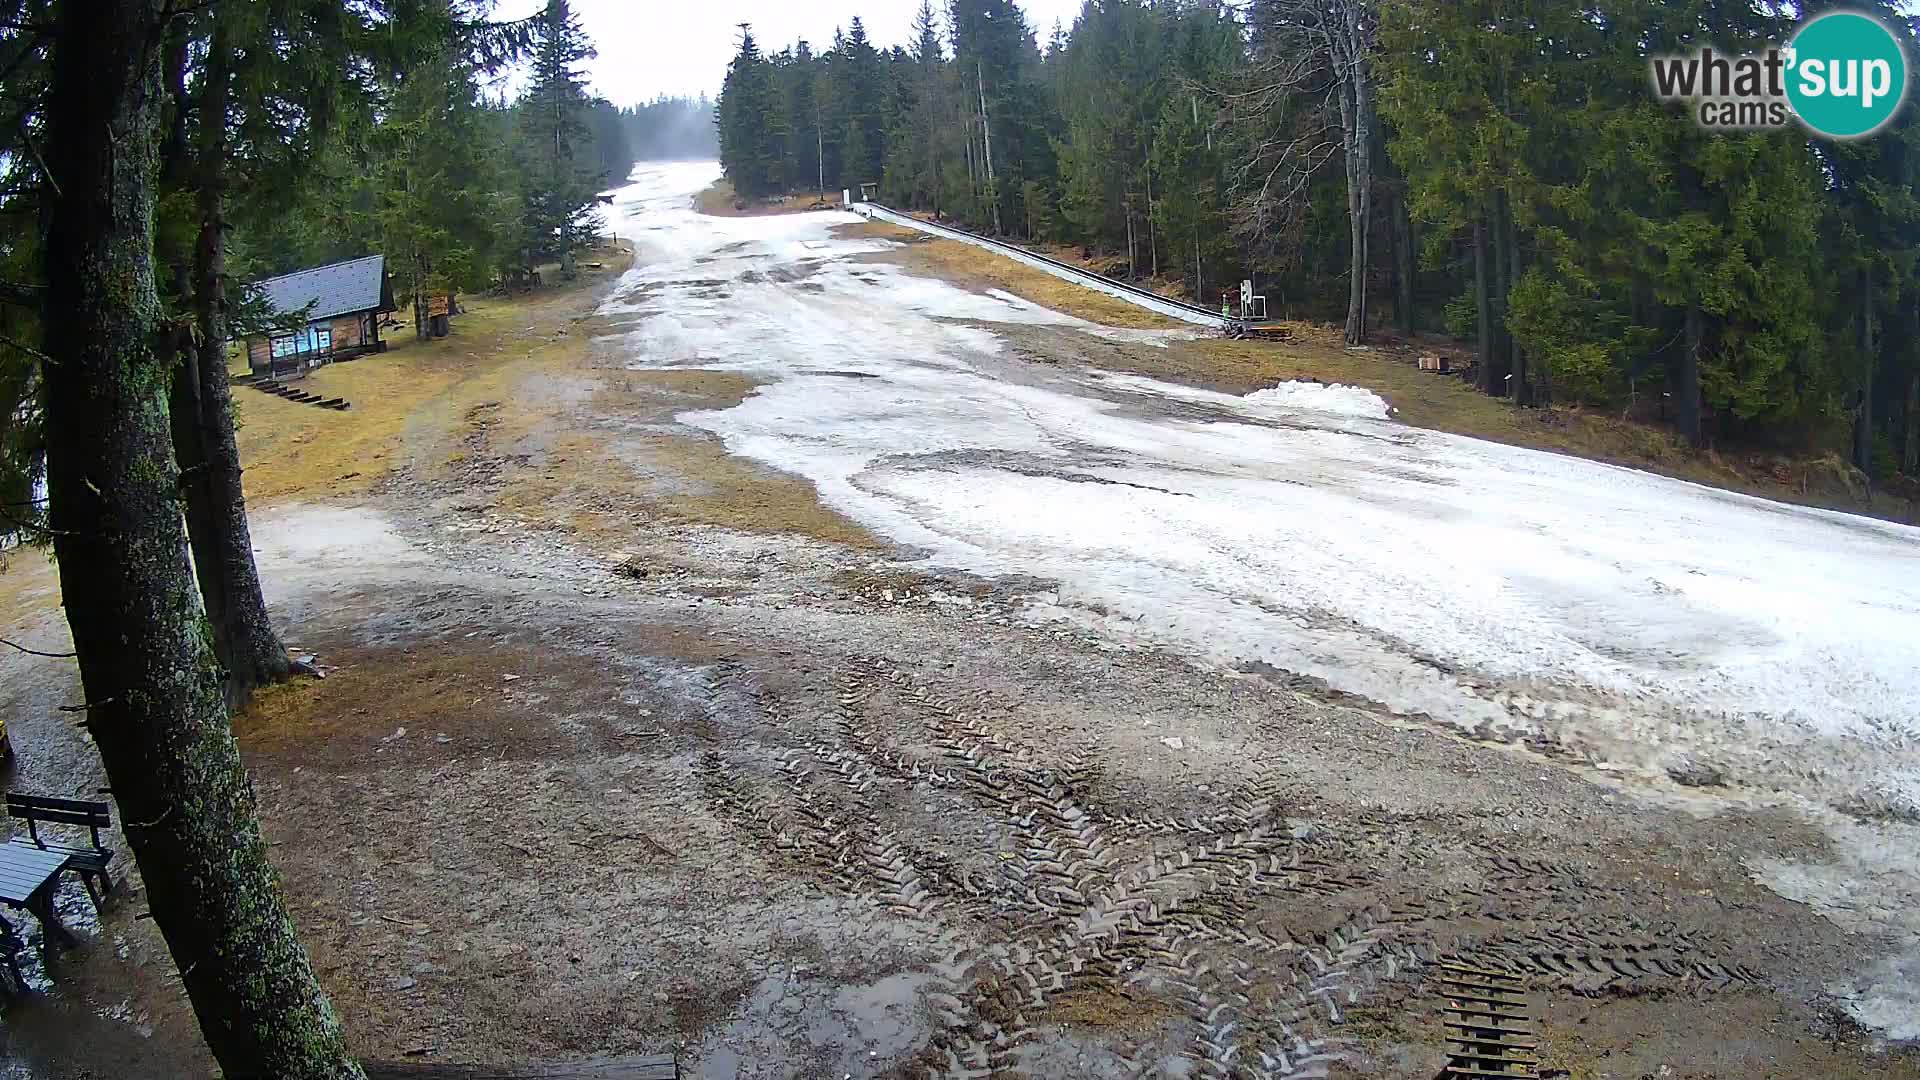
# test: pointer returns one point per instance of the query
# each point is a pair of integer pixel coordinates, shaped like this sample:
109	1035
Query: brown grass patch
360	706
719	200
29	582
981	269
1106	1009
481	696
879	230
299	451
659	393
736	493
1443	403
608	486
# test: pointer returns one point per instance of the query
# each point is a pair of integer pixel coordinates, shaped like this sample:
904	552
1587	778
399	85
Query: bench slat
76	855
59	811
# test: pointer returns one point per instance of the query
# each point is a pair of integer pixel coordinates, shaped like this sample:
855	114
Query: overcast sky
652	47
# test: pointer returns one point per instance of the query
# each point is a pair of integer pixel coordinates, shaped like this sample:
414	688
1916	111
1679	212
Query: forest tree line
1495	169
426	161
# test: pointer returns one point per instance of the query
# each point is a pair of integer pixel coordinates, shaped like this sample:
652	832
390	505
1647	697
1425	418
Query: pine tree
1006	129
562	178
859	90
800	97
751	123
434	181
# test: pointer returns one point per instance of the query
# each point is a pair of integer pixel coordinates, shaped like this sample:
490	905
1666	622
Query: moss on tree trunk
155	699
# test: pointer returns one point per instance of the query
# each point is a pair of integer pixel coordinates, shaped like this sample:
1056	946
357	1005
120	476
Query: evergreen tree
433	181
859	101
751	123
806	141
912	173
562	176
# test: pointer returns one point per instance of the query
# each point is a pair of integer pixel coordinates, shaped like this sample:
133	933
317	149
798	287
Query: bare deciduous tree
1308	98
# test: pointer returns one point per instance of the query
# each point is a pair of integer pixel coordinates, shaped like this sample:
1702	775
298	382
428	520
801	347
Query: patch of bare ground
607	480
720	200
981	270
295	451
901	584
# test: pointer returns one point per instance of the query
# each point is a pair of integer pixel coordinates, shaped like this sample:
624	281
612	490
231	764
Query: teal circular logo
1847	75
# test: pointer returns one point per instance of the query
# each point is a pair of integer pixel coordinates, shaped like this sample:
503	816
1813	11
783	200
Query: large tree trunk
153	688
1686	378
1910	458
1356	106
1403	264
1153	240
1863	420
1516	357
1502	279
243	635
1359	201
986	148
1483	307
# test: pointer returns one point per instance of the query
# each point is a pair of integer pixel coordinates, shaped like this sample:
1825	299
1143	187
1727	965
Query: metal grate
1488	1032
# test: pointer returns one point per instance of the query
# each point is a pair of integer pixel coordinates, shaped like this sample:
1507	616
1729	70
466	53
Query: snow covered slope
1629	618
1639	623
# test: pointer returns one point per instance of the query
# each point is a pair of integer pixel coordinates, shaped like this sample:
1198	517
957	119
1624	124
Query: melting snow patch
1337	398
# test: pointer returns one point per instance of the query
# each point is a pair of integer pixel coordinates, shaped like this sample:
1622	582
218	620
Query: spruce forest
1495	170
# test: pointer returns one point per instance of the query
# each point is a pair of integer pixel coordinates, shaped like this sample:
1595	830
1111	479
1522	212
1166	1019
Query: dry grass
493	698
1105	1009
511	405
299	451
719	200
1449	404
604	487
29	582
979	268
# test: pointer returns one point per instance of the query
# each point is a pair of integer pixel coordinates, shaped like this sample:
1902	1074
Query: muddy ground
626	745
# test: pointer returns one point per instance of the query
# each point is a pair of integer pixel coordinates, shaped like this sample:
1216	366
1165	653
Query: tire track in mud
1178	909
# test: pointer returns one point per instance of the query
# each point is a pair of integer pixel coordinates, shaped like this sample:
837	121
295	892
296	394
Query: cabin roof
336	289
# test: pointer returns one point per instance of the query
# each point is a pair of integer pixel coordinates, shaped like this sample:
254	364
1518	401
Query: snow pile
1335	398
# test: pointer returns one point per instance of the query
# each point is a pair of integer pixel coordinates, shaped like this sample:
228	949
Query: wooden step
1486	1027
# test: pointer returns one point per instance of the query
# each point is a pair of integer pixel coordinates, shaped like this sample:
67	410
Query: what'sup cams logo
1843	75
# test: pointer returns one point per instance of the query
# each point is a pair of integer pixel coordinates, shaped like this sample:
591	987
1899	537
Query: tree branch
37	652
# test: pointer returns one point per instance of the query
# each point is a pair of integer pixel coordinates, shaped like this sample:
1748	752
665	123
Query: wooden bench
28	876
89	862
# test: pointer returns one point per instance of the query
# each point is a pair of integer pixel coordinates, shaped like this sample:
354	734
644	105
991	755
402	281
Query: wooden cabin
348	300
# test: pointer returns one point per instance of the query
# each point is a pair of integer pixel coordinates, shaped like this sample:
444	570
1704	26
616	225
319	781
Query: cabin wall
347	332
